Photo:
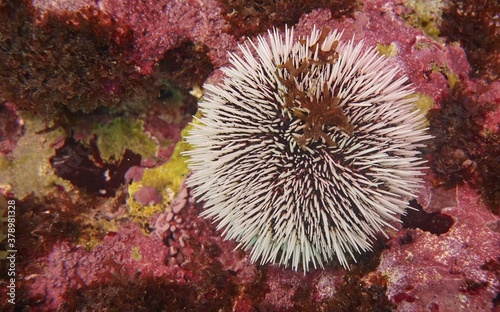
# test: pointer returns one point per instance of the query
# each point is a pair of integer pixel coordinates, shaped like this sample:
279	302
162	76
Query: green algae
136	253
423	103
452	78
28	170
387	50
166	179
121	134
427	15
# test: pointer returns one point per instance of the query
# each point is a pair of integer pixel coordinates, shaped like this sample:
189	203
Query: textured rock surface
81	251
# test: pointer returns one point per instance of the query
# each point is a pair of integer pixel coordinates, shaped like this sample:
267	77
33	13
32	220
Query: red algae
82	251
436	270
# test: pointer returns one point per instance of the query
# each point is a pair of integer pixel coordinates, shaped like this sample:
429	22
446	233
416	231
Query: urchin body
307	149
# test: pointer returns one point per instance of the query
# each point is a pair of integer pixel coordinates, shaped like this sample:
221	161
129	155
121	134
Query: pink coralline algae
67	267
159	26
438	270
85	253
182	252
147	195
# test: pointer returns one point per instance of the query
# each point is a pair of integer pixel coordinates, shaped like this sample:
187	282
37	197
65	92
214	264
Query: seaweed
359	294
475	24
461	151
75	60
248	18
315	113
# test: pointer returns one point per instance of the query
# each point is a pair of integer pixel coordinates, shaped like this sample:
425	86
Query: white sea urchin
306	150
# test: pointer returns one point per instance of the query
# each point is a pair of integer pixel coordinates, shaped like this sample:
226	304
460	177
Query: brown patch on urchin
316	113
320	114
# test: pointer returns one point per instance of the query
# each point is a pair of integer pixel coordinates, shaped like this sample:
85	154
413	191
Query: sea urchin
307	149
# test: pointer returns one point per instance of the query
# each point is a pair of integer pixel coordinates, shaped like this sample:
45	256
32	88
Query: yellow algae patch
136	253
114	138
387	50
166	179
28	168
